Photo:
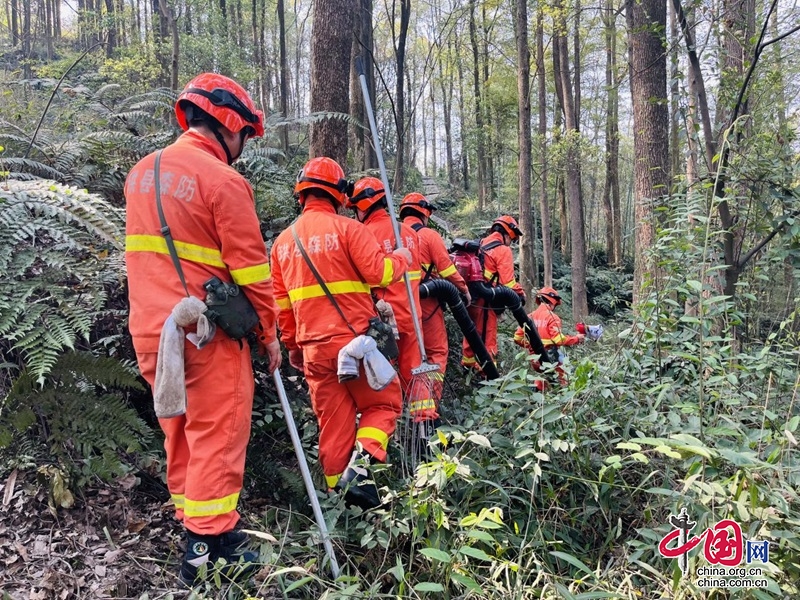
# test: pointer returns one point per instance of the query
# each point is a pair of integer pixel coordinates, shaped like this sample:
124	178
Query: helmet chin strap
229	157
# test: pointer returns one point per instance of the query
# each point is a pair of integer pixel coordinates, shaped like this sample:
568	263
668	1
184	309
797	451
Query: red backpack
468	256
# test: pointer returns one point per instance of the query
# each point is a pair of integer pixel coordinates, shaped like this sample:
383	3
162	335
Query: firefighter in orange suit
350	262
369	203
498	269
211	213
415	211
548	326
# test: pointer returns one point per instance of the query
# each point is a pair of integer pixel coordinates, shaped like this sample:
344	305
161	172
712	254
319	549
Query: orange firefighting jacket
498	264
548	326
349	260
211	213
380	224
433	256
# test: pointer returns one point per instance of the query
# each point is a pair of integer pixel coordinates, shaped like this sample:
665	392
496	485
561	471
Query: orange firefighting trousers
336	405
434	332
485	320
206	446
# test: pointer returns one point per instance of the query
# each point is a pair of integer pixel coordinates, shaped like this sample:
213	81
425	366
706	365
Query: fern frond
107	89
30	166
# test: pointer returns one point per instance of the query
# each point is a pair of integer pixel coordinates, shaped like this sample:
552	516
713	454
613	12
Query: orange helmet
225	100
509	226
325	174
367	192
416	202
549	295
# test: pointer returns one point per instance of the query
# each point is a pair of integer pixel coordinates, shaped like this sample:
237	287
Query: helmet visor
223	98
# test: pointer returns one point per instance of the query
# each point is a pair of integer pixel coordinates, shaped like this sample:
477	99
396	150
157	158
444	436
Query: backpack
468	258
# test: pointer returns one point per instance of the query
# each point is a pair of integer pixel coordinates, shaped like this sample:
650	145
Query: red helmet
418	203
509	226
325	174
549	295
367	192
225	100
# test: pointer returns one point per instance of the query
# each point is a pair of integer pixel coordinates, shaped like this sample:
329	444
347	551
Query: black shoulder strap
491	245
319	279
417	226
164	227
495	276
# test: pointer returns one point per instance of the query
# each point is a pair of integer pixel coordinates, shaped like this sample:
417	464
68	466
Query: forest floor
117	541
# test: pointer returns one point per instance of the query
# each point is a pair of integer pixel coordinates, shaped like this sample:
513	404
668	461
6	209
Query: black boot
356	483
206	549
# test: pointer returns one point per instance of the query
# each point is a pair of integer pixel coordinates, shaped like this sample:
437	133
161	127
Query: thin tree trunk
674	92
26	38
446	82
434	160
48	27
462	118
57	19
527	261
400	101
15	37
111	34
611	199
544	208
573	176
284	86
481	157
491	150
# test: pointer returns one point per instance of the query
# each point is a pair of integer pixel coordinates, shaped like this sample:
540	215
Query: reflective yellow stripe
448	271
511	283
332	480
425	266
190	252
388	272
548	342
468	360
425	404
335	287
208	508
373	433
559	339
414	275
179	500
487	274
518	337
283	303
248	275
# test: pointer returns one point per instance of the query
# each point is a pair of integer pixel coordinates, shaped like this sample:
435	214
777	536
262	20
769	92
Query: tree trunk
111	35
446	82
489	179
462	118
360	138
675	151
48	28
330	66
527	257
481	155
284	85
648	76
26	39
434	160
544	207
15	23
611	201
400	101
580	307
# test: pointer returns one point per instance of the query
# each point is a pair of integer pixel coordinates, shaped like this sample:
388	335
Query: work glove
581	338
271	350
405	253
296	358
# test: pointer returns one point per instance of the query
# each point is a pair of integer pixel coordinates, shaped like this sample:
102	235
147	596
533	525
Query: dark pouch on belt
229	308
384	337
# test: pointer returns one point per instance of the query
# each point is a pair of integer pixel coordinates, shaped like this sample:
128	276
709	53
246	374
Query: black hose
504	297
443	290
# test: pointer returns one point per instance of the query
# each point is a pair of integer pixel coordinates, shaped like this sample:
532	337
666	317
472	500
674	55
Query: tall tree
330	66
611	195
527	264
360	138
648	76
580	307
14	23
284	83
544	204
446	82
476	79
400	38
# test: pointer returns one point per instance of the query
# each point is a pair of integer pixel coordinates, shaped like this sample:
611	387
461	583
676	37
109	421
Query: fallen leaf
100	570
262	535
10	484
